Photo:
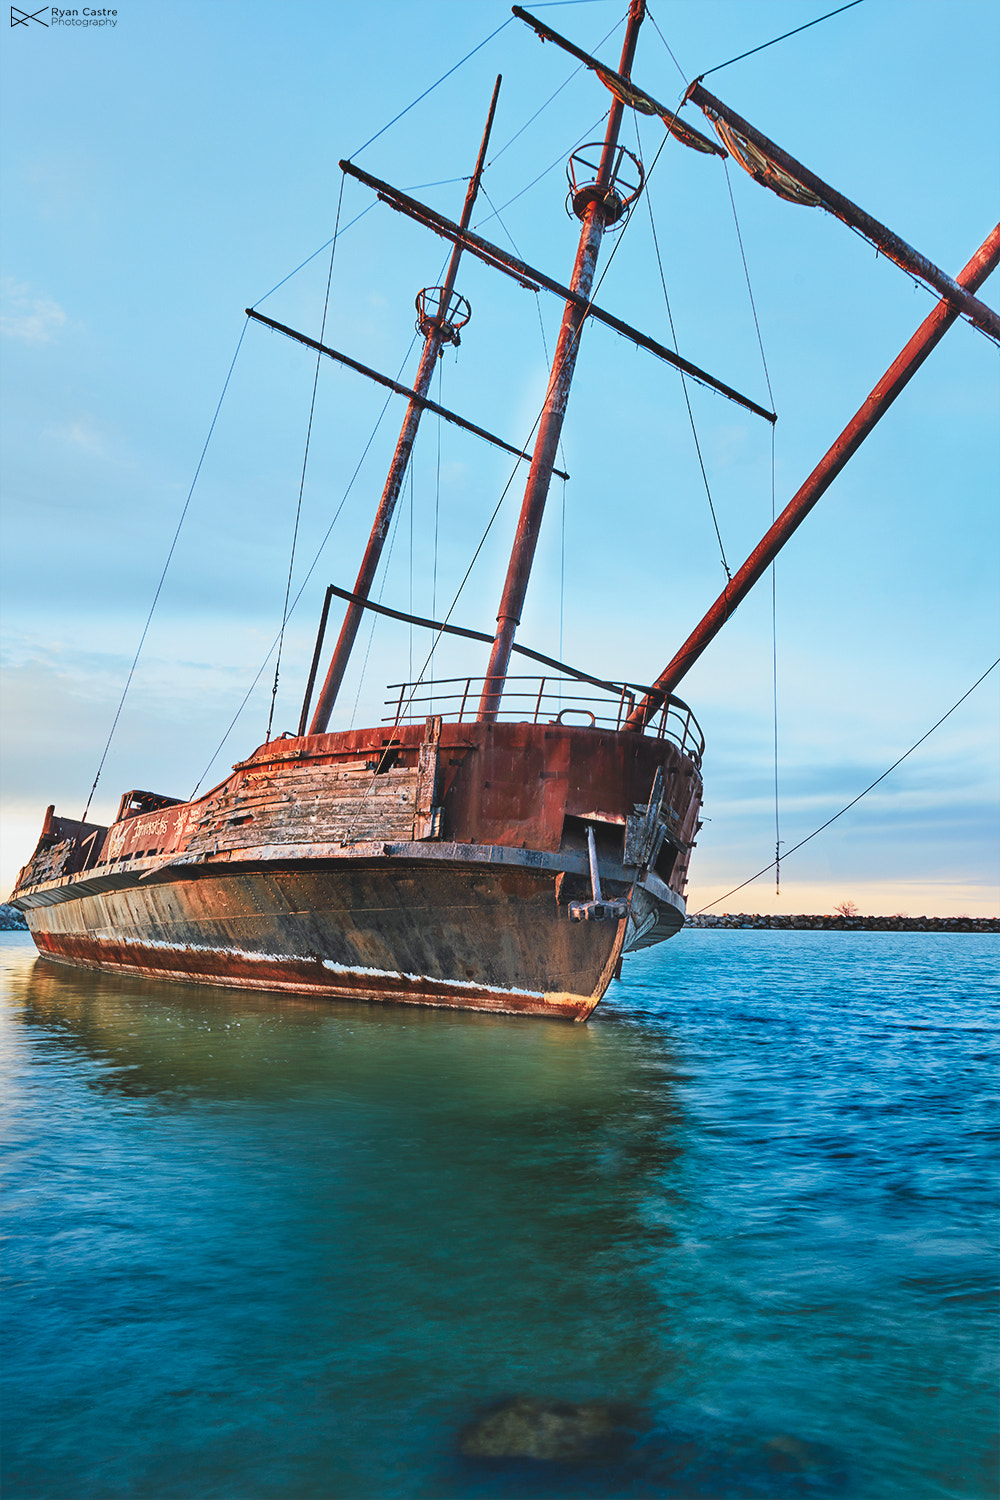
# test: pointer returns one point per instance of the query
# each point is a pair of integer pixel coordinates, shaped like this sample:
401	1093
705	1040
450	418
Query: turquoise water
259	1247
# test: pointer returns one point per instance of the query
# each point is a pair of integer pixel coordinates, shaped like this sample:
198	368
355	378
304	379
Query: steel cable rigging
163	574
774	565
673	335
305	464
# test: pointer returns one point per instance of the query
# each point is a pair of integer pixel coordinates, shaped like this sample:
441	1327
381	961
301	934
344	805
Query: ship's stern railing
547	700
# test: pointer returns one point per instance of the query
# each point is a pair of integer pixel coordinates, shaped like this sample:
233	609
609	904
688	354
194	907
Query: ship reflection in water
718	1243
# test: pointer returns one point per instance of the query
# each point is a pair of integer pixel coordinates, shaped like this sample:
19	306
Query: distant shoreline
828	923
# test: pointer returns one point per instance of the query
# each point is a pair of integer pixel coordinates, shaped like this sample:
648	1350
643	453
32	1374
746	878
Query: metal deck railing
547	700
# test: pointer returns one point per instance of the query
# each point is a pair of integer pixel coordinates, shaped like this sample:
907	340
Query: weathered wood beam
623	88
394	385
533	280
888	243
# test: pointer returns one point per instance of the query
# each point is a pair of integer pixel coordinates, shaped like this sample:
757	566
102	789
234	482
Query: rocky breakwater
11	920
836	923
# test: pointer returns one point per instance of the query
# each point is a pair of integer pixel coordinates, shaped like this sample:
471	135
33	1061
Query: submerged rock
552	1431
584	1450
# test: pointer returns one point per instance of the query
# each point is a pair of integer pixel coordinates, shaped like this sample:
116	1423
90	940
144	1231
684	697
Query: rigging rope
659	33
538	307
416	188
673	335
746	272
532	118
430	90
305	461
309	258
568	79
781	38
774	565
551	167
166	565
858	798
464	581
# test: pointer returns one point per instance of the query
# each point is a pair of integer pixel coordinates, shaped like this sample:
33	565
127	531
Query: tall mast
440	322
602	208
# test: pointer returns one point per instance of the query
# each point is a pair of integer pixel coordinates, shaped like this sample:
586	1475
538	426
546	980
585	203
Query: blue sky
161	175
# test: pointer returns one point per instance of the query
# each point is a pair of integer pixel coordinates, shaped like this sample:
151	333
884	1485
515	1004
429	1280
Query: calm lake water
259	1247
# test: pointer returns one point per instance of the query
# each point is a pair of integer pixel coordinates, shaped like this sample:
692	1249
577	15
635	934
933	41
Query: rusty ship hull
448	864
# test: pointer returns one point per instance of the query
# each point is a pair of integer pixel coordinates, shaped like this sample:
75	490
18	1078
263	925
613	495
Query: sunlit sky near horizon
162	175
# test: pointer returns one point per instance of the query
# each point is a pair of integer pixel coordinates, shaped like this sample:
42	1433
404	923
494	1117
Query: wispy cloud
33	320
81	433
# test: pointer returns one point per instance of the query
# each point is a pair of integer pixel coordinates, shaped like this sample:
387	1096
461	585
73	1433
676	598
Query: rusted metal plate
478	938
